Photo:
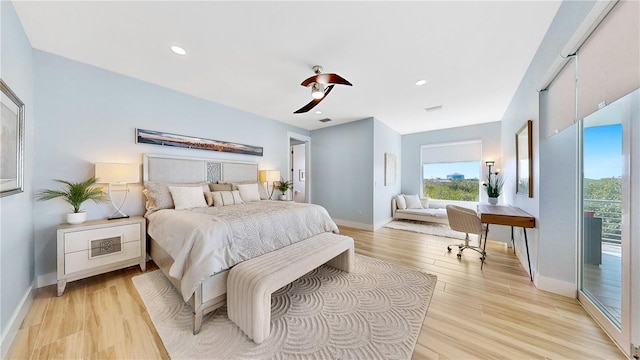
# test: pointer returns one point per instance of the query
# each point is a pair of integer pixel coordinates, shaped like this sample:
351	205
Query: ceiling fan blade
314	102
326	79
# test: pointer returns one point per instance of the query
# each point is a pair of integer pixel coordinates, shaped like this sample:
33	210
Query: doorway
299	167
607	281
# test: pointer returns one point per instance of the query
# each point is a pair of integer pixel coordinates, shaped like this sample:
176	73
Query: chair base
478	249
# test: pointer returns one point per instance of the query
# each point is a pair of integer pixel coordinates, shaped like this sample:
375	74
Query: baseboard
382	223
47	279
556	286
9	333
353	224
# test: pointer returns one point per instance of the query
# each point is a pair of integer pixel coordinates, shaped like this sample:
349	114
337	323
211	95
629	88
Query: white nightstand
99	246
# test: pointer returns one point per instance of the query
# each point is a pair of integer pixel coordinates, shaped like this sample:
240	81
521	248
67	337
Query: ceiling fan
319	88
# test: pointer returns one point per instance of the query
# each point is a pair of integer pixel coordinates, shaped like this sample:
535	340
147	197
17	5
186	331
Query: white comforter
205	241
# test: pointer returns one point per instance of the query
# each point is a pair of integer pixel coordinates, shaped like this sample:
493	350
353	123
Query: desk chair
466	221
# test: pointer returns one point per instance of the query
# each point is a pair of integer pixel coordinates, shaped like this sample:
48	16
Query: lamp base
118	217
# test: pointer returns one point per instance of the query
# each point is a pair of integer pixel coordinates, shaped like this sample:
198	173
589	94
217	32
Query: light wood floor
493	313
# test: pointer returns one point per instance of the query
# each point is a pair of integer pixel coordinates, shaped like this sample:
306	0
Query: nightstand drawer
82	240
83	260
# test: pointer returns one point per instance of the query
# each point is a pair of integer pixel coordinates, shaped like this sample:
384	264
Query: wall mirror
524	163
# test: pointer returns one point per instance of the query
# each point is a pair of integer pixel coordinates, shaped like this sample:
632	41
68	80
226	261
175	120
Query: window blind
609	60
559	110
452	152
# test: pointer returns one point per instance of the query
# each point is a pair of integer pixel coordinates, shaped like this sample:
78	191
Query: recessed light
318	112
178	50
421	82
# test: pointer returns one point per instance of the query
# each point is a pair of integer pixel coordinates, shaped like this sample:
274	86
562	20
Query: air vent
434	108
324	120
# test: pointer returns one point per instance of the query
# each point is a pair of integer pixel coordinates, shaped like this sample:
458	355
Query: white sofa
433	210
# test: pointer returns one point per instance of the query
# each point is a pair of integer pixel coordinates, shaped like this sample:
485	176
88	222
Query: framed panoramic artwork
524	162
191	142
12	142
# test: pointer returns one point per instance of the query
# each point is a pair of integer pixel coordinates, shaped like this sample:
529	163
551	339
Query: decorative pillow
224	198
263	192
159	197
249	192
220	187
208	197
234	186
400	202
413	202
187	197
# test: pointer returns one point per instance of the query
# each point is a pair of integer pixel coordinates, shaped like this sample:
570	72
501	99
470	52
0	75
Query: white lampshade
269	175
117	173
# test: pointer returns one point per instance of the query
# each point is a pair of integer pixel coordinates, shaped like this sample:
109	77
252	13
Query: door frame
622	337
307	161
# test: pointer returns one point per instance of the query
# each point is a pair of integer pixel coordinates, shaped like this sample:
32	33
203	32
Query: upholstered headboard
191	170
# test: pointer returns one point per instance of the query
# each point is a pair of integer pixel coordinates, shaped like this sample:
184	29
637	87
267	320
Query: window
451	171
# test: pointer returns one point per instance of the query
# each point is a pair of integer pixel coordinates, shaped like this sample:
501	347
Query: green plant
76	193
283	185
494	187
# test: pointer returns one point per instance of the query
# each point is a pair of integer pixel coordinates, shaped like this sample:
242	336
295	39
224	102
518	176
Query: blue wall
16	211
86	115
385	140
342	165
552	244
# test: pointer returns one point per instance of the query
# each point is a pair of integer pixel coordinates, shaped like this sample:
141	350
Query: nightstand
99	246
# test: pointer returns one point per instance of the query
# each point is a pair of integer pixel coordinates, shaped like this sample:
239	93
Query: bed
196	247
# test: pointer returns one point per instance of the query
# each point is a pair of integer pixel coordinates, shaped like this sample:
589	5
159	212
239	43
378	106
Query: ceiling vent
434	108
324	120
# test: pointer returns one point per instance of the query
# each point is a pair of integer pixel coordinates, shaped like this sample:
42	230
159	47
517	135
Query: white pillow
224	198
187	197
400	202
413	202
249	192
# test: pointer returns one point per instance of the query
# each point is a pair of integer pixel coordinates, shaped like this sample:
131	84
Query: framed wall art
192	142
389	169
11	142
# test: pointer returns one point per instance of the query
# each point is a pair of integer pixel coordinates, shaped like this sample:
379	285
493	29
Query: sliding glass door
605	249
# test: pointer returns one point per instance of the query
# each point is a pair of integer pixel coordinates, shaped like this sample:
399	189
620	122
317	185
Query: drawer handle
107	246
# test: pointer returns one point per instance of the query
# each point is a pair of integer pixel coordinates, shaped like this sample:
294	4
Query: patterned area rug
375	312
428	228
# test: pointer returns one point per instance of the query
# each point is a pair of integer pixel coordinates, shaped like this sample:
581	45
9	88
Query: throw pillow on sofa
400	202
413	202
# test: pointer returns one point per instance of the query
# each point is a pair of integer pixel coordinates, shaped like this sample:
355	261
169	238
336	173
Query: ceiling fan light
317	91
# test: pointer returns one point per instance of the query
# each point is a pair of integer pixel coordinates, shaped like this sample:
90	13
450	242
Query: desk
509	216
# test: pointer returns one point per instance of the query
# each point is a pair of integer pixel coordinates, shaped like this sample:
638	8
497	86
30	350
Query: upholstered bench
251	283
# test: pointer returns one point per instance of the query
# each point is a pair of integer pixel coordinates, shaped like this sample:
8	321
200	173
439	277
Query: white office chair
467	221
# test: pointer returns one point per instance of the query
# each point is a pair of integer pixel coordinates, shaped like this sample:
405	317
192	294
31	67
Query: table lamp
269	177
118	174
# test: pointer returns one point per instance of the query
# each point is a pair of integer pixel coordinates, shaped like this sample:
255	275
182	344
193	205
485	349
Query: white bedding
205	241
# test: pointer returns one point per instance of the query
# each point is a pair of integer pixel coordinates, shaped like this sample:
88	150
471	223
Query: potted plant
494	188
283	186
76	193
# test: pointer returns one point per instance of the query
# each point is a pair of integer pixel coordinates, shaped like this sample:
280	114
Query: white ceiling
253	55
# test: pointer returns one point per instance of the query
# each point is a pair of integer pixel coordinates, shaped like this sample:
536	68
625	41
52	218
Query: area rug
374	312
427	228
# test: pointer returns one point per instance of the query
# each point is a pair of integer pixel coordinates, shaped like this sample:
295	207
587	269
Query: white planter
76	218
283	196
493	200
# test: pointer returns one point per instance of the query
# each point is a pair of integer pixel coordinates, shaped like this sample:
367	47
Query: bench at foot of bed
251	283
